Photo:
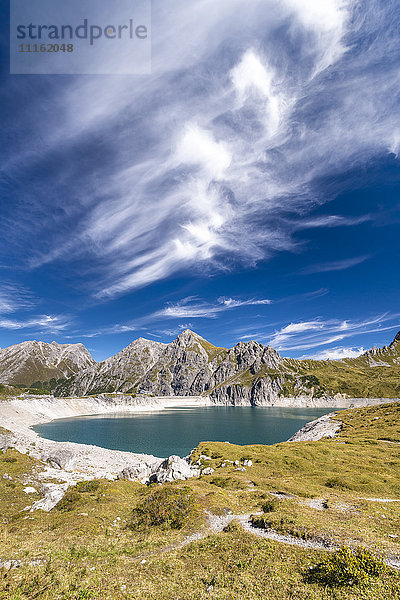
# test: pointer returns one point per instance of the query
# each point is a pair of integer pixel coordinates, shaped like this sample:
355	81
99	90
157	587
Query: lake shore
69	462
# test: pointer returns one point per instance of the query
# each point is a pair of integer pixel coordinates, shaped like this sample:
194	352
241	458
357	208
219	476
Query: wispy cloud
337	353
13	297
193	308
328	221
319	332
173	331
41	323
201	165
190	307
17	301
339	265
286	333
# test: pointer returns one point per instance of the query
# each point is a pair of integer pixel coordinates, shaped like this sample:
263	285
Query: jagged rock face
262	392
192	366
120	373
396	342
382	357
183	368
31	362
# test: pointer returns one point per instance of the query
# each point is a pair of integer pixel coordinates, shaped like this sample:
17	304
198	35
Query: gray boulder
174	468
60	459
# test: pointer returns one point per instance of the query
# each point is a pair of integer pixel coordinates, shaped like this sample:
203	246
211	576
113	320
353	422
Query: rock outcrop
174	468
324	427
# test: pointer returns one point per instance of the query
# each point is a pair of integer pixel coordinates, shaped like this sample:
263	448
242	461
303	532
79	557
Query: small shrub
69	501
84	594
270	505
261	522
216	455
337	483
346	568
227	482
166	506
9	459
246	457
283	525
87	486
232	527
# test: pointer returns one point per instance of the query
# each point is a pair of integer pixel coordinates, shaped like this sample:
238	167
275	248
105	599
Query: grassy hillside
355	378
9	391
375	374
108	540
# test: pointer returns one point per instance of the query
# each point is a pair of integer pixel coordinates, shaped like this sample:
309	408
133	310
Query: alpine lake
179	430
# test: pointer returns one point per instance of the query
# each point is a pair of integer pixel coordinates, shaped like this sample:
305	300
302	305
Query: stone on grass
207	471
174	468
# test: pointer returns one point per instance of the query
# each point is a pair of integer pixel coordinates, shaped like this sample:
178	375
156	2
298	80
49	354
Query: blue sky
247	189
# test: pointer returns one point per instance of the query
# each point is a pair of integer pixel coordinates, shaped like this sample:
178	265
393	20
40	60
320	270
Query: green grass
91	550
347	568
353	377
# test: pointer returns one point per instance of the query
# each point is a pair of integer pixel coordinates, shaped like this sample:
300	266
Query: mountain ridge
248	373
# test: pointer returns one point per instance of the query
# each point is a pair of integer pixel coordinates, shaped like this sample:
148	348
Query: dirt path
216	524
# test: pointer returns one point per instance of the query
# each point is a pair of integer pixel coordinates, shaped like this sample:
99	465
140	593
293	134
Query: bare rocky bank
328	426
68	462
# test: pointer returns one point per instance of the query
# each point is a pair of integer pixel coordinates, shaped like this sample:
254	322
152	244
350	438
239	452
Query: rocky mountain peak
252	344
188	337
143	342
396	341
255	354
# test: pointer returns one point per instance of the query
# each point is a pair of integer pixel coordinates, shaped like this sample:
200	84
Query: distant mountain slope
122	372
388	356
374	374
39	362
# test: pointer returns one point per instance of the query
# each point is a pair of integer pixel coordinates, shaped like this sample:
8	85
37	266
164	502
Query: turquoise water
179	430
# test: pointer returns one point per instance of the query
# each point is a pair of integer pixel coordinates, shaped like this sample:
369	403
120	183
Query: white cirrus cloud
40	323
337	353
13	298
190	307
214	159
337	265
197	146
324	332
